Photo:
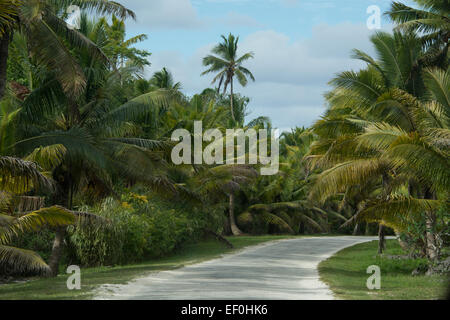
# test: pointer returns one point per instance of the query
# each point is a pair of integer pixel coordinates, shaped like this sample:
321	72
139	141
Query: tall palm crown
121	50
227	65
433	19
164	80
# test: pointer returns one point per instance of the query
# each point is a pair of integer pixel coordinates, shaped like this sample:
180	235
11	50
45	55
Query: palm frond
346	174
20	261
397	212
18	176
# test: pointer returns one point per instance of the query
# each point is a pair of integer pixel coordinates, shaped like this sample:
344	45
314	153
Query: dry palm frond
19	176
20	261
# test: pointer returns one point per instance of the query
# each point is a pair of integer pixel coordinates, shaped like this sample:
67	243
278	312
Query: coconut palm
8	15
377	99
432	19
280	202
118	48
43	25
87	153
421	155
19	261
164	80
85	141
209	182
17	177
227	65
218	181
21	214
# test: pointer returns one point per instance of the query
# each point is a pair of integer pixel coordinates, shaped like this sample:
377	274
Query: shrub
136	229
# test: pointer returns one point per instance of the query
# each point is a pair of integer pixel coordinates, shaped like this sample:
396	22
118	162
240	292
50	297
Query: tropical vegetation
86	175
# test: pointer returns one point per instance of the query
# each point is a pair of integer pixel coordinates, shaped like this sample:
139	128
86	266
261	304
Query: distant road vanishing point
278	270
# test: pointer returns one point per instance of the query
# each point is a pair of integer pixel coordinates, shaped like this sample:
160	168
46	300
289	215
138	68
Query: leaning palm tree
383	92
85	141
421	155
17	260
223	180
16	177
226	64
390	140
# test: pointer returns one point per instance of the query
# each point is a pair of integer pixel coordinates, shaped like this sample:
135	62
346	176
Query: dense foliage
85	140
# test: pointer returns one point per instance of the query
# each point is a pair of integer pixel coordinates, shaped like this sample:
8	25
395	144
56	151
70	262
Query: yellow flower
126	205
142	198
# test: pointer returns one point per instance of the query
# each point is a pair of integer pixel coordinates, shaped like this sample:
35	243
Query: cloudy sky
298	45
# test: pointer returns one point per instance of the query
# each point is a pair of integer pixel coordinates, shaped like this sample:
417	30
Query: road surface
285	269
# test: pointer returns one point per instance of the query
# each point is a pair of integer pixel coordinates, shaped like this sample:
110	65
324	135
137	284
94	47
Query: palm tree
421	155
279	202
21	214
222	180
208	182
92	150
43	25
432	19
164	80
227	65
432	22
119	49
385	98
8	17
89	139
17	177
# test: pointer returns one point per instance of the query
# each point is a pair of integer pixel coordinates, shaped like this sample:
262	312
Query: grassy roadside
345	273
55	288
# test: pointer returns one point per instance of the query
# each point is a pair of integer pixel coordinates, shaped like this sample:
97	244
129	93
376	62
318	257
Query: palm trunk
56	251
381	240
432	247
402	243
4	52
219	237
355	230
234	228
231	101
387	193
60	234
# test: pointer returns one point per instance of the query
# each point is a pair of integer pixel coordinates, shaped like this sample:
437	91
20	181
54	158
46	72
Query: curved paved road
285	269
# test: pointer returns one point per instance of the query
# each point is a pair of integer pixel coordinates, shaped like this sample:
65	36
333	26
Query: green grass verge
55	288
345	273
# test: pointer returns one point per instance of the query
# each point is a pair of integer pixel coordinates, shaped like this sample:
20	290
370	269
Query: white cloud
165	14
187	70
291	76
305	62
236	19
